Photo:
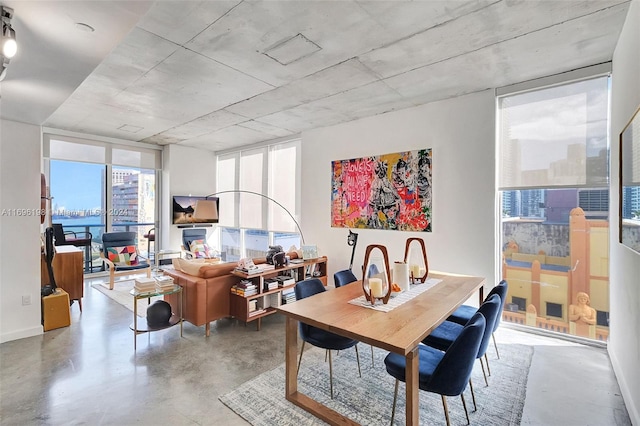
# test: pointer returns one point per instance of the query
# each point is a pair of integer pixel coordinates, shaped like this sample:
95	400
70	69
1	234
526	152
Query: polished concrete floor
89	374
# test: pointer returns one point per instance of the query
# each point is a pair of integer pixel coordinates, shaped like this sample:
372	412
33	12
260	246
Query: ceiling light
9	45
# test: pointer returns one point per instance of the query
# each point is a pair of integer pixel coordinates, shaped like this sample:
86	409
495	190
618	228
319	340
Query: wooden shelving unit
267	301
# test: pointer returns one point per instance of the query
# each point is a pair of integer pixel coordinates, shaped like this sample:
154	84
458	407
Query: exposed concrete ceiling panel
183	23
199	73
494	24
54	57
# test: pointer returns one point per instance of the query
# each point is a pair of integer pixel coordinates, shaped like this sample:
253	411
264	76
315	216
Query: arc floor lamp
213	205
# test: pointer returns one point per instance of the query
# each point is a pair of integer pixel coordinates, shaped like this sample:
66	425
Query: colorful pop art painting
390	191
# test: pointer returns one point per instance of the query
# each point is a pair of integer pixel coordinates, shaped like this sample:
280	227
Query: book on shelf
257	312
285	280
270	284
243	292
253	305
288	296
246	284
256	269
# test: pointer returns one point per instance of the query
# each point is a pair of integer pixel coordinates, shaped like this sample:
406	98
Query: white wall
461	133
20	153
186	171
624	340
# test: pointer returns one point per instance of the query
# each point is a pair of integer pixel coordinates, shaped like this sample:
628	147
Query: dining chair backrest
58	234
452	374
501	291
304	289
490	309
308	288
343	277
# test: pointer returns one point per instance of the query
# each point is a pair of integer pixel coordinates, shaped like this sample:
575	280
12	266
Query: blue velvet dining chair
318	337
465	312
443	336
445	373
345	277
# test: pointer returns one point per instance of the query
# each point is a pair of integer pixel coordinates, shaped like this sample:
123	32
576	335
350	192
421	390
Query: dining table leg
413	386
291	377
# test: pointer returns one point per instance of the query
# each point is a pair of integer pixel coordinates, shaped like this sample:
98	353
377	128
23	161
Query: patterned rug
368	400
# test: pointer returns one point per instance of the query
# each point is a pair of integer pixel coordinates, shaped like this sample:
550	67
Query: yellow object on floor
55	310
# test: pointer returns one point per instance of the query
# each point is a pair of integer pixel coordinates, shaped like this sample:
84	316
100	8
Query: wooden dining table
399	330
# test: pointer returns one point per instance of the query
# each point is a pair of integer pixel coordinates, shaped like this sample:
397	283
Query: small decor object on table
415	254
144	284
401	275
158	314
273	250
377	280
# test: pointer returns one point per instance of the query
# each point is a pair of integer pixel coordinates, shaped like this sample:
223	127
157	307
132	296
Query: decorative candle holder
415	254
376	283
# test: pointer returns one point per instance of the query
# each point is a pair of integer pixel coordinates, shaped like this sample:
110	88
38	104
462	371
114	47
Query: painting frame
629	213
391	191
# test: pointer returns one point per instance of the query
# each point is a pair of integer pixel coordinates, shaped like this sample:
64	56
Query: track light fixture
8	45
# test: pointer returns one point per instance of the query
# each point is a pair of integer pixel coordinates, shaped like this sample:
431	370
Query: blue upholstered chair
445	373
345	277
318	337
465	312
446	333
120	255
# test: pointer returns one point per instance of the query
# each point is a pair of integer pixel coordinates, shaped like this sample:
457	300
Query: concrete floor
88	373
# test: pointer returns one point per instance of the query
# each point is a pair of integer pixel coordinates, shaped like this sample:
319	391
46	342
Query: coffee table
144	327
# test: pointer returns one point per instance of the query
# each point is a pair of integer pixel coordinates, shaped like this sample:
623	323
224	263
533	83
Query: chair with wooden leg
445	373
120	255
318	337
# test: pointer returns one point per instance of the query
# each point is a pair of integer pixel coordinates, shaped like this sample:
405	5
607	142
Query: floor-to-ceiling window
553	178
101	187
250	223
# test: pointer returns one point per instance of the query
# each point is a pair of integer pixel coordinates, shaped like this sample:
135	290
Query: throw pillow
191	267
123	256
199	249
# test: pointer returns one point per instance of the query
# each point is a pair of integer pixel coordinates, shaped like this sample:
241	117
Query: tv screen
191	210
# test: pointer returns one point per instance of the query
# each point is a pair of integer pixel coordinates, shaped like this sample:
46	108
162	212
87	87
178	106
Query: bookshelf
254	306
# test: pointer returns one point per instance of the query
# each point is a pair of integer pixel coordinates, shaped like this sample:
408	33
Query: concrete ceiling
221	74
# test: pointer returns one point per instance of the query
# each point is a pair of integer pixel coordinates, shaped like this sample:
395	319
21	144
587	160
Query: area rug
368	400
121	294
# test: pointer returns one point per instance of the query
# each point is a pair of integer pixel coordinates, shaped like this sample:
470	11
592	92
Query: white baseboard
21	334
629	401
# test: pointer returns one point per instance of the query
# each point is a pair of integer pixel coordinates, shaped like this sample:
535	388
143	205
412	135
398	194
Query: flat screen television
188	210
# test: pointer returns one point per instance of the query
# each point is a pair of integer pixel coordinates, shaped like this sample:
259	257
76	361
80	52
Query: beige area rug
121	294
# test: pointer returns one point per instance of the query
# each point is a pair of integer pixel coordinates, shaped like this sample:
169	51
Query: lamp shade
206	210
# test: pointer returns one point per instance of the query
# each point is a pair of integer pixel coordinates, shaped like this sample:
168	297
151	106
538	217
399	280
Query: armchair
120	255
194	244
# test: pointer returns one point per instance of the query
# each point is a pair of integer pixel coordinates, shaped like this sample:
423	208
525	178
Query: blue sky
76	186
